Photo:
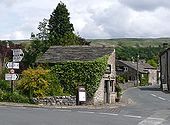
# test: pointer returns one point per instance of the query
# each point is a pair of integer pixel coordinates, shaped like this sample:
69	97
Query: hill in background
129	42
133	42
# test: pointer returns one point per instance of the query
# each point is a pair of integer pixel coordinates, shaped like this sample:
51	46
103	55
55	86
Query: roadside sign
12	65
18	52
11	76
17	55
17	58
12	71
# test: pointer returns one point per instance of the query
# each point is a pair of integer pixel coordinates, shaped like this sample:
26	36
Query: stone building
165	70
129	69
105	92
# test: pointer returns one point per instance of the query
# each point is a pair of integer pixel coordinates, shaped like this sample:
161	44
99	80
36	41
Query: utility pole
137	72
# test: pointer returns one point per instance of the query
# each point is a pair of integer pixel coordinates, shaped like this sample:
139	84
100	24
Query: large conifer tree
60	28
61	31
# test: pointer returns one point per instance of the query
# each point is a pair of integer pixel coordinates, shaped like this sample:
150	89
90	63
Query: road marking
133	116
64	110
85	112
160	119
151	121
108	114
154	95
161	98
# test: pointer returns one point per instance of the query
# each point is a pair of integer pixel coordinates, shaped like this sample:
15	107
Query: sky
92	19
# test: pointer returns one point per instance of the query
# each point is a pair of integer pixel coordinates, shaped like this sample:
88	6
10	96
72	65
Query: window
125	69
108	70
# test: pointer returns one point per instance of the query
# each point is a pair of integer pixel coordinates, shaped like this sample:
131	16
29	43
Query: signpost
17	57
11	77
12	65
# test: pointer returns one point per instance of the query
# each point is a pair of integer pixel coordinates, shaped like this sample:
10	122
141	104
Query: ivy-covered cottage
128	69
90	66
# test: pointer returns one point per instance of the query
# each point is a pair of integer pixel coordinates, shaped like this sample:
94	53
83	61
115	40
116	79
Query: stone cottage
130	69
165	70
105	92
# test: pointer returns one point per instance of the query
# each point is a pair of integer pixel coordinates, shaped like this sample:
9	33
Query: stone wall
56	100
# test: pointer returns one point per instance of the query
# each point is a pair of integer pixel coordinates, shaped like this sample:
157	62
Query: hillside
134	42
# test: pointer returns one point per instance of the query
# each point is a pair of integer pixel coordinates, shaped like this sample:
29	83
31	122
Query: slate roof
142	67
74	53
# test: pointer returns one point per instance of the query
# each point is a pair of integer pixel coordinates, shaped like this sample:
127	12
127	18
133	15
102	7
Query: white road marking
133	116
151	118
85	112
64	110
108	114
151	121
156	119
161	98
154	95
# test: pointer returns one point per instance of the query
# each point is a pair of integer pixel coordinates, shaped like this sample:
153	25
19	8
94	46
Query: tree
61	30
59	24
43	28
35	49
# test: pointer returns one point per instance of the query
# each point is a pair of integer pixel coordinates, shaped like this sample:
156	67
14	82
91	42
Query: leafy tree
35	49
43	28
152	62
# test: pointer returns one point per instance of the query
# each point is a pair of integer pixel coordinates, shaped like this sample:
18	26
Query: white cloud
143	5
91	19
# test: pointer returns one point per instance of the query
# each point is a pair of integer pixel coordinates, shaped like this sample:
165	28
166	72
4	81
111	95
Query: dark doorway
106	91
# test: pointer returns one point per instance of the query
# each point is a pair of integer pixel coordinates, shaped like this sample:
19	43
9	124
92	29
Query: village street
150	107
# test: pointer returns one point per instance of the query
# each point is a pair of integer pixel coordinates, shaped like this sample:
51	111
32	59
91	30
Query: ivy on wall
72	74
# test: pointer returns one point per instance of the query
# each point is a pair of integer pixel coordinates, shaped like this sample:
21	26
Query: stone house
105	92
129	69
165	70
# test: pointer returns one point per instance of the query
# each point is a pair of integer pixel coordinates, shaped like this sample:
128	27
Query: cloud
91	19
146	5
10	3
121	21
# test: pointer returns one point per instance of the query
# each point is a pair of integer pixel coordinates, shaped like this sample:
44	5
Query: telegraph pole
137	72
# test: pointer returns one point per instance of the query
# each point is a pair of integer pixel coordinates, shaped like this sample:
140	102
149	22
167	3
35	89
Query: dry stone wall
56	100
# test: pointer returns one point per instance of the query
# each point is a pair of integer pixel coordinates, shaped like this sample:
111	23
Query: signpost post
17	57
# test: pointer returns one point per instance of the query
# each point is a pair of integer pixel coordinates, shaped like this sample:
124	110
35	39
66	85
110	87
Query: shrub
4	85
34	82
118	90
13	97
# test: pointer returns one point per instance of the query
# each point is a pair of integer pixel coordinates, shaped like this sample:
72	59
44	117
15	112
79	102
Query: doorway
106	91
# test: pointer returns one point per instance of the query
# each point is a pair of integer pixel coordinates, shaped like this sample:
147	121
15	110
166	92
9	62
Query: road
152	107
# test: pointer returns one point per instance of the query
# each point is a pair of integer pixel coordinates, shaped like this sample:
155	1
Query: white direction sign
18	52
11	76
17	55
17	58
12	65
